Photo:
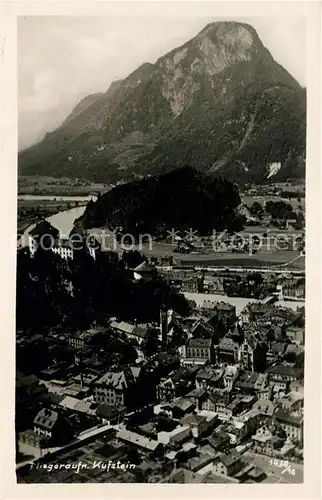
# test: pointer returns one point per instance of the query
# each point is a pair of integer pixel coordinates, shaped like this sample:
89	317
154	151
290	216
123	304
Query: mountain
219	103
182	199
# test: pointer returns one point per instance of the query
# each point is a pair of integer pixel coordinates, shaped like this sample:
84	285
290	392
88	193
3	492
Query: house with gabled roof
281	375
145	271
117	388
51	425
44	234
200	425
291	423
197	351
227	464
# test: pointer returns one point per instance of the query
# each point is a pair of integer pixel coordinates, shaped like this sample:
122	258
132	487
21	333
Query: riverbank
62	219
32	209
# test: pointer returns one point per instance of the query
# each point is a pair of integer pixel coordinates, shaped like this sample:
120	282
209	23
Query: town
214	395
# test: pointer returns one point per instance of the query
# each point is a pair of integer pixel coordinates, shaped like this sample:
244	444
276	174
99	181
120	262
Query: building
226	313
110	414
292	403
174	437
145	271
219	441
165	324
214	284
50	424
93	246
64	248
227	351
254	311
178	407
252	354
197	351
251	420
250	382
177	383
295	335
275	352
210	377
30	397
292	424
224	410
197	396
117	388
193	284
208	401
201	329
227	465
131	331
142	443
280	376
81	339
230	376
200	425
294	289
265	442
266	409
43	235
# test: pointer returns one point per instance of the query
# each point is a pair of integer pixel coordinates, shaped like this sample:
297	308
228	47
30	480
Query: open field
229	259
41	185
249	200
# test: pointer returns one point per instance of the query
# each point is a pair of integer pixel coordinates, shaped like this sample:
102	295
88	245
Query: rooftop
265	407
229	459
44	228
137	439
183	404
116	380
199	343
247	379
144	267
108	412
288	418
210	373
46	418
227	343
284	369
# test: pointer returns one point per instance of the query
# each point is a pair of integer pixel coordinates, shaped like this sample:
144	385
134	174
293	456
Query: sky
63	59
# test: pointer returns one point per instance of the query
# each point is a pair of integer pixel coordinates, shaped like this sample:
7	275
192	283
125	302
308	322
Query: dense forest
180	199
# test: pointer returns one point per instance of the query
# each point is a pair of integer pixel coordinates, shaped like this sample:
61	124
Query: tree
290	357
270	335
132	258
151	342
280	210
256	209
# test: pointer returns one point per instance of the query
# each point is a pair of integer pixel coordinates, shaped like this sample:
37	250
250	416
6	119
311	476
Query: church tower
164	326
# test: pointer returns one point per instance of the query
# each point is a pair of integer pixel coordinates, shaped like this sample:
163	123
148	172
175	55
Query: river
63	221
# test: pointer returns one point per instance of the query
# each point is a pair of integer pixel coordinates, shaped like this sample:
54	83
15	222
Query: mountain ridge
192	106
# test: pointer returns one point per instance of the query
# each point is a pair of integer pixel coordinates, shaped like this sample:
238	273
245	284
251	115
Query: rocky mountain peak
219	102
217	47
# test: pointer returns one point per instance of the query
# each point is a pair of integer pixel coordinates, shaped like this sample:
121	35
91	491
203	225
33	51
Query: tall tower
164	325
78	362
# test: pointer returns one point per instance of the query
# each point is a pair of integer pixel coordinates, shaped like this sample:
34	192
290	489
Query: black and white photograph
160	319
